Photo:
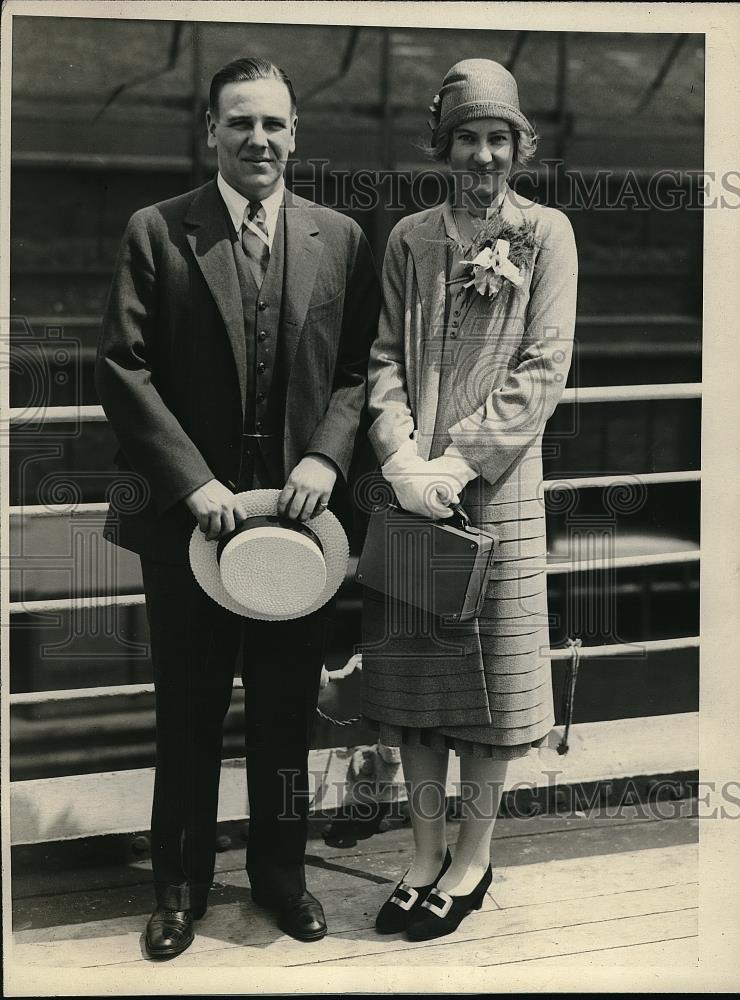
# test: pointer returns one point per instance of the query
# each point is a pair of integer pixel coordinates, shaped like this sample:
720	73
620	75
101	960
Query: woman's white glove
451	465
406	472
427	488
449	473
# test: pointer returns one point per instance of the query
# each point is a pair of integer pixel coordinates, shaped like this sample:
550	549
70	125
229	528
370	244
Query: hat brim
204	562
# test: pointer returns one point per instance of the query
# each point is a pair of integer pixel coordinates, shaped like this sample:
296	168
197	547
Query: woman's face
481	157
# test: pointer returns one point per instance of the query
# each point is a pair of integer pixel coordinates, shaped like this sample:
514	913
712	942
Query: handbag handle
459	515
459	518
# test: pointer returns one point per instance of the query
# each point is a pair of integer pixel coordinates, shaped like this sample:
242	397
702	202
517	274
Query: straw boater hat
272	568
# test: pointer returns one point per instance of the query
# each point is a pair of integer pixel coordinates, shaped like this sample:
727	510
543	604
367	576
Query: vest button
260	397
262	305
261	366
263	335
258	425
453	334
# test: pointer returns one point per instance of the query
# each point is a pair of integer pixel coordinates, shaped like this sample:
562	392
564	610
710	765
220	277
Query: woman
469	363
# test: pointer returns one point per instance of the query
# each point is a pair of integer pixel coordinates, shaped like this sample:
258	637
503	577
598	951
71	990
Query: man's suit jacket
171	366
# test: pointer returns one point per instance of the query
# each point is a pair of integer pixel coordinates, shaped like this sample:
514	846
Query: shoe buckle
439	902
411	896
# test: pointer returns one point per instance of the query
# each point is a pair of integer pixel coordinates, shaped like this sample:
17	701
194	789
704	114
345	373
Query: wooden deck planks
680	952
564	909
581	878
559	941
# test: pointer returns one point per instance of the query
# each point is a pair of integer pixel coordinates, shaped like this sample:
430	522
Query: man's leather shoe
168	933
301	916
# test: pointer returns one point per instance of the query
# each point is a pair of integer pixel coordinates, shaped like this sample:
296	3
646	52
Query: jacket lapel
303	250
210	242
428	247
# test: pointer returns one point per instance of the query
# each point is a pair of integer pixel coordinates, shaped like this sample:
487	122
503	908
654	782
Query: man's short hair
248	68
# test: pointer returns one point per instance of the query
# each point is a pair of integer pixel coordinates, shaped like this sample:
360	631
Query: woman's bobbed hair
525	144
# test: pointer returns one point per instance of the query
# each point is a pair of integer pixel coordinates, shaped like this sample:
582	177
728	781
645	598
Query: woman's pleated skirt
480	690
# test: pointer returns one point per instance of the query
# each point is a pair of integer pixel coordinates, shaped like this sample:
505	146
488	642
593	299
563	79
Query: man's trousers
195	644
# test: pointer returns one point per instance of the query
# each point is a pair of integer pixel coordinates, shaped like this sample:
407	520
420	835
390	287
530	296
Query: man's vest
262	457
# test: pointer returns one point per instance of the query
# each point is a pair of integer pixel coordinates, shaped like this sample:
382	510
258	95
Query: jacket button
262	305
263	335
258	425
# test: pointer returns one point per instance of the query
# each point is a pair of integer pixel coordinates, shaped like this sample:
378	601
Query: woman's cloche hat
272	568
476	88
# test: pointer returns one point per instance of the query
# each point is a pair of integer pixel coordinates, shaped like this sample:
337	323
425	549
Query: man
233	356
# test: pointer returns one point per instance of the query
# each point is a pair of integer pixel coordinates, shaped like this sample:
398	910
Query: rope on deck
589	394
628	650
574	647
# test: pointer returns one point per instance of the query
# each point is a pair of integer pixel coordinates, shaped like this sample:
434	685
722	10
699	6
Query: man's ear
293	125
211	126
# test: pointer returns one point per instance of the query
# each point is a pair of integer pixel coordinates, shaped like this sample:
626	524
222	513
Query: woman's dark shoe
394	915
441	913
168	933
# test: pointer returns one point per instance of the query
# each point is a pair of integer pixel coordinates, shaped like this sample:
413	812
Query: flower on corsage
436	108
491	267
498	252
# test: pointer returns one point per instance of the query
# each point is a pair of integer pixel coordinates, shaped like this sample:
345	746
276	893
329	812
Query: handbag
439	566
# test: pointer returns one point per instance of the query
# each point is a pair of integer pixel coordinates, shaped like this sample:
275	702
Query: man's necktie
255	245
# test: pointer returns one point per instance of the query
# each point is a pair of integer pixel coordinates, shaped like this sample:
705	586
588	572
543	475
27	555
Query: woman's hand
449	474
427	488
419	494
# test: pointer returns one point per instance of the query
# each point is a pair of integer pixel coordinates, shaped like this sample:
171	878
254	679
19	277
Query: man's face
253	133
482	155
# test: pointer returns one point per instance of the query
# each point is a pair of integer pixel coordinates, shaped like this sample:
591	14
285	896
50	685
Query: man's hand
217	509
308	488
